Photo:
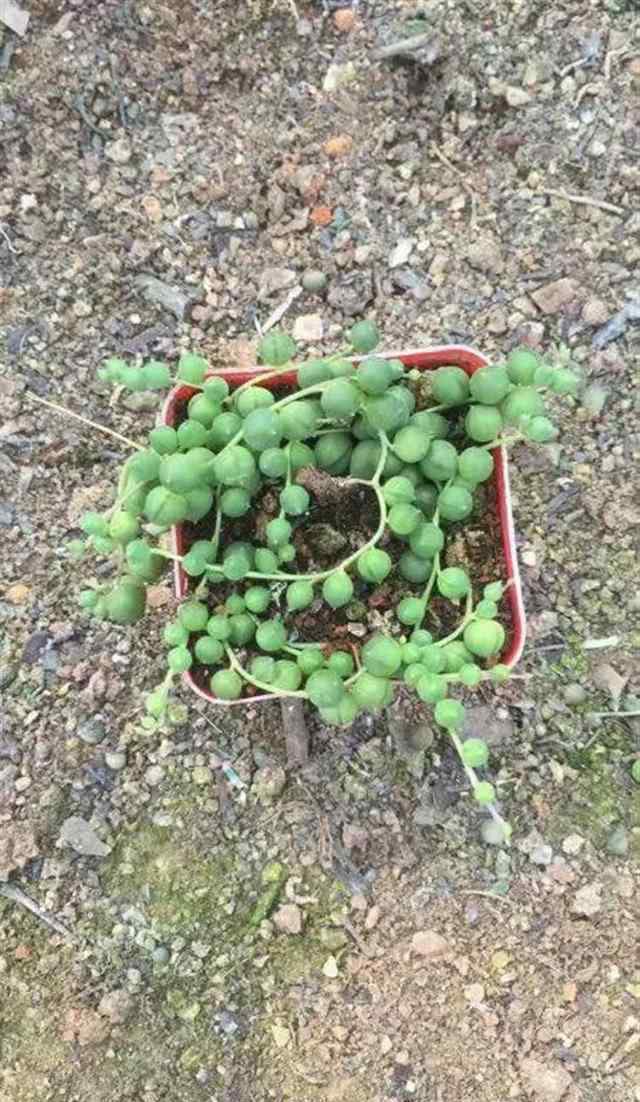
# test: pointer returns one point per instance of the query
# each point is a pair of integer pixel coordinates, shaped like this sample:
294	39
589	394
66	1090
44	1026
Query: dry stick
487	895
584	201
408	47
85	420
279	311
609	58
465	183
615	715
7	239
295	731
11	891
365	949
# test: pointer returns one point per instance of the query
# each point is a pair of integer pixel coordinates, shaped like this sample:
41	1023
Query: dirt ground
224	149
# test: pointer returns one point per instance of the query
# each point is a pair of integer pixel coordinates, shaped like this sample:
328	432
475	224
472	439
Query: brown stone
595	312
84	1026
339	145
344	20
554	297
486	256
17	847
547	1082
430	945
321	216
117	1006
288	919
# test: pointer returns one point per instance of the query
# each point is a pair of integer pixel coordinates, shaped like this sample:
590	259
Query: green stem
273	373
119	502
504	441
276	405
468	616
432	579
233	661
85	420
473	777
435	570
215	538
374	484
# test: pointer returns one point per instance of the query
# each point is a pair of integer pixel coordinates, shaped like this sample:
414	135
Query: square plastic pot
424	359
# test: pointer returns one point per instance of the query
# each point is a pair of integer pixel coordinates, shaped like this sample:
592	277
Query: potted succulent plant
312	513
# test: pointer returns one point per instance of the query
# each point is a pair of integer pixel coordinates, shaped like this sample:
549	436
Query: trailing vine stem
475	780
280	576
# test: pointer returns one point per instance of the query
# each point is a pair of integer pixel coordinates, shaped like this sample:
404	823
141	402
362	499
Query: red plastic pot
425	360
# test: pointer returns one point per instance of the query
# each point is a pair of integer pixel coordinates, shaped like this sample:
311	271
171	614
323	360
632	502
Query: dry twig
16	895
584	201
470	190
295	731
279	311
85	420
423	48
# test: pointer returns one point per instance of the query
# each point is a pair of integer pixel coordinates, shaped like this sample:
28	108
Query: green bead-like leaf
382	655
337	589
271	636
453	583
475	753
374	565
226	684
276	348
484	637
299	595
449	714
364	337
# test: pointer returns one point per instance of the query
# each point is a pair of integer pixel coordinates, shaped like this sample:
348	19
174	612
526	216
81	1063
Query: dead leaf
330	968
609	680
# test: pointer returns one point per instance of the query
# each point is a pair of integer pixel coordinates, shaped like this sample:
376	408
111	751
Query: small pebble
574	694
201	775
7	673
92	731
153	775
119	151
314	280
333	938
115	759
541	855
330	968
492	833
618	842
572	844
160	954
